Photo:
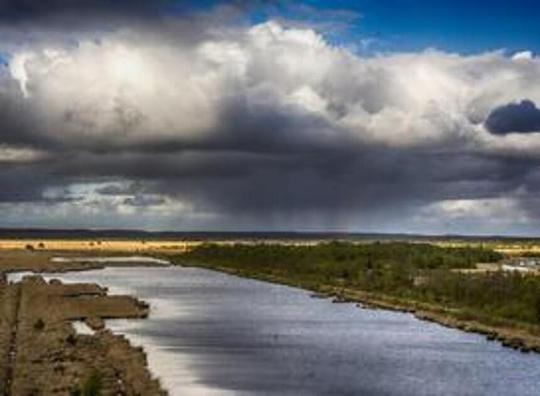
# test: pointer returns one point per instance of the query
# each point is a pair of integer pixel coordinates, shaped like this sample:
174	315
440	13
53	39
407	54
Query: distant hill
42	233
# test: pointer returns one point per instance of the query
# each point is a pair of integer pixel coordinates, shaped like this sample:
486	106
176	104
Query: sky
353	116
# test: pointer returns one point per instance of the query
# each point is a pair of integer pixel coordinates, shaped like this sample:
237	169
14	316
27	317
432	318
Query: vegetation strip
417	278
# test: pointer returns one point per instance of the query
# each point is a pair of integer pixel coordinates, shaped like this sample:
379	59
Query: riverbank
332	279
519	338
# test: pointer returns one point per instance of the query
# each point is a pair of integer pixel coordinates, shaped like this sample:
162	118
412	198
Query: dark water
211	333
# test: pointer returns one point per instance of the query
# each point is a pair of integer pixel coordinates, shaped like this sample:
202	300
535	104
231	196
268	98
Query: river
214	334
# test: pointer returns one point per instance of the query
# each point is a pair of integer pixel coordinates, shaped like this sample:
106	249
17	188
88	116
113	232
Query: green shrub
93	384
39	324
76	391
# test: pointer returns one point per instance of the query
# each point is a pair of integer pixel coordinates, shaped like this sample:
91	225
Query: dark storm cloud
249	127
69	21
18	124
25	184
323	180
119	189
71	16
144	200
268	128
242	128
522	117
30	10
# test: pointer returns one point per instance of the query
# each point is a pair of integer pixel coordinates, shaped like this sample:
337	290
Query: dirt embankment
41	352
521	337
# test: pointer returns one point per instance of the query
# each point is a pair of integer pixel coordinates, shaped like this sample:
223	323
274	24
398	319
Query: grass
93	386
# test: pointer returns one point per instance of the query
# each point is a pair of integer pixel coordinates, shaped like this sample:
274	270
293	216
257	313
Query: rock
525	349
95	323
319	295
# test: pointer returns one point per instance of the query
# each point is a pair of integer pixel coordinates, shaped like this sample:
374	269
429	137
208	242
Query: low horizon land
156	242
128	233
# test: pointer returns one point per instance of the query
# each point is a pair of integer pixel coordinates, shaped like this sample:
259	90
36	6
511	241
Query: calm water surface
215	334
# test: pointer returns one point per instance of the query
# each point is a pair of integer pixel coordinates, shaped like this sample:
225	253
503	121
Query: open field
97	245
510	246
